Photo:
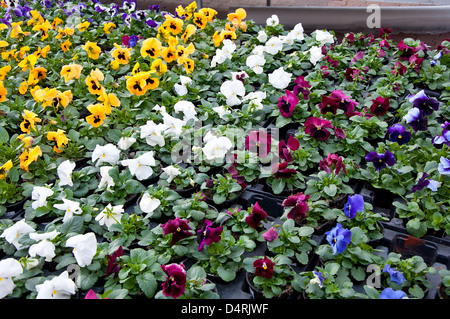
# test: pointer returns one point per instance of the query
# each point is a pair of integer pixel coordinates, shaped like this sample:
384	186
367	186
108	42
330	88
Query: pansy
264	267
60	287
208	234
39	196
110	215
271	234
317	128
108	153
172	172
273	45
232	89
346	103
395	275
323	37
113	267
84	248
256	63
69	207
424	103
153	133
44	248
59	139
125	142
399	134
315	54
178	228
217	147
29	156
389	293
444	138
15	232
262	36
9	268
339	238
299	204
302	87
148	204
121	55
380	106
106	179
182	89
318	278
187	108
329	104
29	121
141	167
333	162
173	125
92	49
151	47
354	205
380	160
417	119
258	142
175	283
287	103
284	149
424	181
273	20
444	166
257	215
281	170
279	78
71	71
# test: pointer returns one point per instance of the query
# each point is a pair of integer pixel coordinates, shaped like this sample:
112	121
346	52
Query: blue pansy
399	134
339	238
354	205
444	166
396	276
390	293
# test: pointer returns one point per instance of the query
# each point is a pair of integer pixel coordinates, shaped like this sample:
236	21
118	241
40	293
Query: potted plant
284	179
195	209
291	241
221	190
157	202
182	180
269	277
219	253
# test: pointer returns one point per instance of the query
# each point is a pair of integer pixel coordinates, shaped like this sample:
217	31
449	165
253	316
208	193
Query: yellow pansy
108	99
190	30
23	88
83	26
71	71
121	55
5	168
59	138
108	26
173	25
28	62
158	66
151	47
29	121
3	92
3	71
65	46
27	157
200	20
93	85
98	114
92	49
26	139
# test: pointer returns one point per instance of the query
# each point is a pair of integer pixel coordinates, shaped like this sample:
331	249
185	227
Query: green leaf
73	225
147	282
4	136
226	274
278	185
330	190
416	228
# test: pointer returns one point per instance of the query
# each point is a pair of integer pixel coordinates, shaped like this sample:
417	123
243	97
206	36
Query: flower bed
148	154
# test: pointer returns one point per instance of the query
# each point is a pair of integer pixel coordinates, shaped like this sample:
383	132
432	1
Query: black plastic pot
409	246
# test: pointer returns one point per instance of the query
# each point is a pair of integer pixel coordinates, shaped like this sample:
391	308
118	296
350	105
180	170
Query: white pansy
279	78
323	37
39	196
9	268
216	148
110	215
221	111
70	207
29	263
256	62
44	248
64	171
218	58
152	133
84	248
172	172
173	125
255	99
125	142
161	109
106	179
262	36
15	232
232	89
315	54
187	108
141	167
258	50
181	89
273	45
108	153
297	32
148	204
226	52
273	20
61	287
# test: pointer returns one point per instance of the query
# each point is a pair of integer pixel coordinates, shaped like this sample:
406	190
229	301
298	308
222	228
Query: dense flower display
131	140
